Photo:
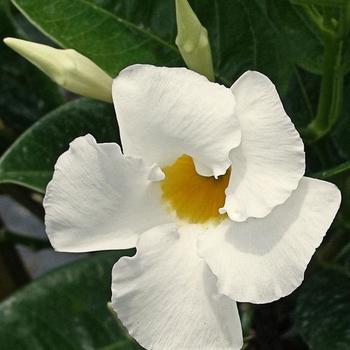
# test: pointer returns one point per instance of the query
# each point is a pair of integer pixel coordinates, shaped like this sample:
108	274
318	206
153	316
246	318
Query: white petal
99	199
167	298
261	260
164	113
270	161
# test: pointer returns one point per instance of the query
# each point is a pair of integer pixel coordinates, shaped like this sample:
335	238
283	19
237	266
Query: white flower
199	250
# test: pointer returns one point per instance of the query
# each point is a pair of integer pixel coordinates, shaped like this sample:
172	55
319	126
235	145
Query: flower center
194	198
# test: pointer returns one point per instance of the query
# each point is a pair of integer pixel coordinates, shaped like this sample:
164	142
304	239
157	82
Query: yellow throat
194	198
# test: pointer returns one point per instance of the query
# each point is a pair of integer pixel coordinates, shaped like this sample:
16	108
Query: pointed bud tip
185	15
192	40
9	41
183	5
18	45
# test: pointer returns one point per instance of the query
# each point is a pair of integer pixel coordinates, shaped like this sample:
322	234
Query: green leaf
298	34
270	36
244	35
301	98
65	309
110	41
155	16
30	160
116	34
25	93
323	311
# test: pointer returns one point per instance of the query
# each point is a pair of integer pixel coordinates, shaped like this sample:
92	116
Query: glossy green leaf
323	311
25	93
30	160
117	33
298	34
110	41
270	36
301	98
243	37
65	309
241	34
155	16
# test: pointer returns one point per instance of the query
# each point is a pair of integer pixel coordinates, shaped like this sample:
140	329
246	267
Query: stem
334	33
322	23
16	238
330	99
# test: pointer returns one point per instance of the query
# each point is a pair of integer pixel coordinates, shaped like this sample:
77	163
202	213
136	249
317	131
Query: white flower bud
67	68
192	40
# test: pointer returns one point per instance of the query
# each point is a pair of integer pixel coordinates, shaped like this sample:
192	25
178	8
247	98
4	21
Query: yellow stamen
194	198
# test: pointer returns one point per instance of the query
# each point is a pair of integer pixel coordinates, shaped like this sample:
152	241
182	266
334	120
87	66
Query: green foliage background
280	38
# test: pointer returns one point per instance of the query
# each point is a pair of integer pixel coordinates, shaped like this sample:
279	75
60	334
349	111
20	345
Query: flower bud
192	40
67	68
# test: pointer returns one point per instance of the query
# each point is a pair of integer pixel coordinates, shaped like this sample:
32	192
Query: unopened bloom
192	40
210	190
67	68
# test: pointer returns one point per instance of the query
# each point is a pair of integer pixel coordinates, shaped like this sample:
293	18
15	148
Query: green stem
334	33
330	99
16	238
322	23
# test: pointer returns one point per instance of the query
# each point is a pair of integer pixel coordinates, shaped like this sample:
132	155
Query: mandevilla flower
210	190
